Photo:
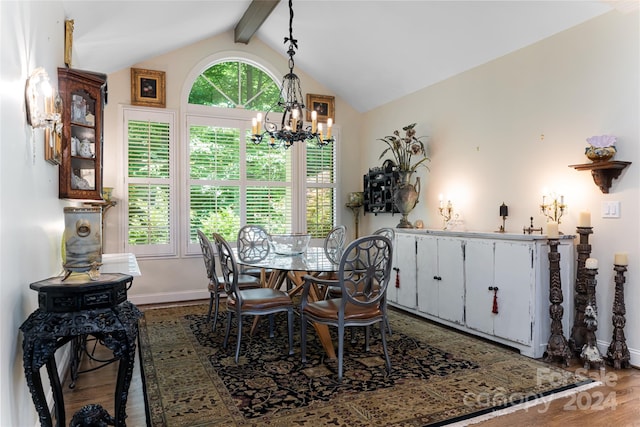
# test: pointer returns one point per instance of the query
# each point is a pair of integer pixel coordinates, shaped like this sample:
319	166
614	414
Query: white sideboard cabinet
489	284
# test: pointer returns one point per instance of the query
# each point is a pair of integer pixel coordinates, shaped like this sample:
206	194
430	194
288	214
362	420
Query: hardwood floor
615	403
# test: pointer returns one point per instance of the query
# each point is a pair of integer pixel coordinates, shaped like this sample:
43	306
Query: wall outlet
610	209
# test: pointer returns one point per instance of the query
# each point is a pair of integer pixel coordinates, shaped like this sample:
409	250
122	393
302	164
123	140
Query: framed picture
148	88
324	105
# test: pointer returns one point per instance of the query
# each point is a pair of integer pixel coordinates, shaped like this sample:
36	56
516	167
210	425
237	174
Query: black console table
69	310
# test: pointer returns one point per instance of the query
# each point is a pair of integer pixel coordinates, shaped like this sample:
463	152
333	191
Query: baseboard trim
168	297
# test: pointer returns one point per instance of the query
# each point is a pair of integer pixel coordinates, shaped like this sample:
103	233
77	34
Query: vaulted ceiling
368	52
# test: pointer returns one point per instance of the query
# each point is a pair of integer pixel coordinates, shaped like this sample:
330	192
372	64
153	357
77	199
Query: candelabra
557	345
590	354
618	352
554	209
578	331
446	212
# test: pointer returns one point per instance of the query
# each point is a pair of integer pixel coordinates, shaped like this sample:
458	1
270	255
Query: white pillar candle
585	219
591	263
314	121
552	230
620	258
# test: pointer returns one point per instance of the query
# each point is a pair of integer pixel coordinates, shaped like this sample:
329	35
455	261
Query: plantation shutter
320	189
150	185
233	182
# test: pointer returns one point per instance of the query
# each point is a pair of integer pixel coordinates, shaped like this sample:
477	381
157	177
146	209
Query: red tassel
397	278
495	301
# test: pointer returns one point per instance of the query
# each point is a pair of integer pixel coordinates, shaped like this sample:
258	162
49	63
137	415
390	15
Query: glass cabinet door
83	96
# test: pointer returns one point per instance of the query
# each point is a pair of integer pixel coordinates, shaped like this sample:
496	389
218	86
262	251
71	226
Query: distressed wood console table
72	309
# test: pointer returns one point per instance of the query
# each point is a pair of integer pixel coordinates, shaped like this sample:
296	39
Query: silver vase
405	197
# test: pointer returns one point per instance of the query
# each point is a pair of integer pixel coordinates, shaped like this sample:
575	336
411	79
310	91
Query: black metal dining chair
363	277
253	246
241	302
333	247
334	243
389	233
216	286
386	232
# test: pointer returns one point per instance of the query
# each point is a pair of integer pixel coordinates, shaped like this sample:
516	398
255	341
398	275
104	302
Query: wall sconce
554	208
44	110
446	212
43	103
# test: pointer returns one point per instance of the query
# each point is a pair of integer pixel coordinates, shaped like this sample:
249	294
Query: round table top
314	259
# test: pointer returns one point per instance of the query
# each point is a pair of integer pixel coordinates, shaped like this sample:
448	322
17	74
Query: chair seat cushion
328	309
261	299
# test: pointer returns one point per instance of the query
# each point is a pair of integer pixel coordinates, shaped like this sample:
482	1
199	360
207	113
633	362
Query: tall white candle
552	230
591	263
329	126
620	258
585	219
314	121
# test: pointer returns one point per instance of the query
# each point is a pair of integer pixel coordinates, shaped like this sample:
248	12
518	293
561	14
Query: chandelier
292	127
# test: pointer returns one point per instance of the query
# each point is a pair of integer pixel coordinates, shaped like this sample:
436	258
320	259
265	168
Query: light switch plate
611	209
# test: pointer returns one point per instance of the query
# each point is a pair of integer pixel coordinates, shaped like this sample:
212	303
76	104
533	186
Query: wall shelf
603	172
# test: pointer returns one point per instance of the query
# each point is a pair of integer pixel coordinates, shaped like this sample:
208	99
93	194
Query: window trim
170	116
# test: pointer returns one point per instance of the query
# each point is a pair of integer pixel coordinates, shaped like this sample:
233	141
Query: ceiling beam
252	19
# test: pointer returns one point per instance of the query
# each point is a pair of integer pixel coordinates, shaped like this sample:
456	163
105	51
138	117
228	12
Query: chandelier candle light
292	127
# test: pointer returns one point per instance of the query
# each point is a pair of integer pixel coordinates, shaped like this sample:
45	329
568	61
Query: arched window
235	84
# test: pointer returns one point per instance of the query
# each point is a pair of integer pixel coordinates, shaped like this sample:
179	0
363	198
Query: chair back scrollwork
253	243
334	243
364	271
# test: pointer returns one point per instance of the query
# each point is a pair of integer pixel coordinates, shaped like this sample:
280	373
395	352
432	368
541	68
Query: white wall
485	128
31	215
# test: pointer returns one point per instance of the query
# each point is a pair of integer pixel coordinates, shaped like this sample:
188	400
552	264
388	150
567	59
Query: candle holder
578	331
355	208
554	209
530	229
504	213
557	347
590	354
618	353
446	212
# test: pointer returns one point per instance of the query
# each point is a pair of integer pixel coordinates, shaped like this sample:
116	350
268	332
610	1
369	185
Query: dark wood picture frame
324	105
148	88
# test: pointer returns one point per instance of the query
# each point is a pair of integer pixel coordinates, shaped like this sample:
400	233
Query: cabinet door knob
437	278
492	288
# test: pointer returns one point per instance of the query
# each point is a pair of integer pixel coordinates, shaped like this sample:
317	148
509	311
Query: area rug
439	376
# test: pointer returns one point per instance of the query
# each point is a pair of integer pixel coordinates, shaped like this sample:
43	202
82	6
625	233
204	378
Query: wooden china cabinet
83	96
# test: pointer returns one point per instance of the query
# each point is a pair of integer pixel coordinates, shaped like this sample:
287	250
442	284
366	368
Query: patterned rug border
445	339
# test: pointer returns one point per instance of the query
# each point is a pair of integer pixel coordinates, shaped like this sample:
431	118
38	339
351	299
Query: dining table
293	268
